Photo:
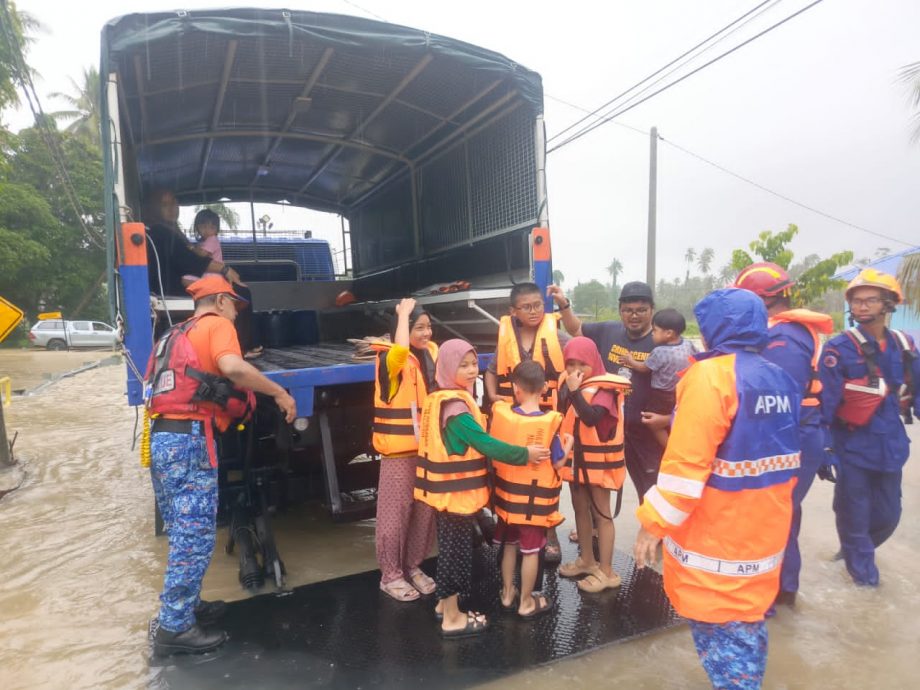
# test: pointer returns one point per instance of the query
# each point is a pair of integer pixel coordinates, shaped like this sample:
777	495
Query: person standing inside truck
870	376
615	340
188	400
528	333
452	477
405	527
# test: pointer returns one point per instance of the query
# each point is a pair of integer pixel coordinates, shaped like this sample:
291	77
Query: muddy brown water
80	569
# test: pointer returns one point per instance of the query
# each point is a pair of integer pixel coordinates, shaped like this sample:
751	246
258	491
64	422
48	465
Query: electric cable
659	70
607	118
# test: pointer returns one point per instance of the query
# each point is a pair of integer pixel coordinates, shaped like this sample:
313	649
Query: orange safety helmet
869	277
765	279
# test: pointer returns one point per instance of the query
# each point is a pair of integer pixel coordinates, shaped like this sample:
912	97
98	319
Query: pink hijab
450	354
584	350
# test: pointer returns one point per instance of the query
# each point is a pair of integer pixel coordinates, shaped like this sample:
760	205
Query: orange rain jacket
723	499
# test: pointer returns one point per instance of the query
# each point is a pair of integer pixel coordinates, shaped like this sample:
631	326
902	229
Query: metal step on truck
430	150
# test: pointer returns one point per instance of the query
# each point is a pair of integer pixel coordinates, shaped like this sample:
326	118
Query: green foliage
20	25
84	107
558	277
814	276
615	269
909	277
592	298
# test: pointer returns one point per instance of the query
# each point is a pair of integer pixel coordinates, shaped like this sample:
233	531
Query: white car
51	334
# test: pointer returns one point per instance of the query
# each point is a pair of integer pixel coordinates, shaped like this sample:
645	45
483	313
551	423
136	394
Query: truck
430	150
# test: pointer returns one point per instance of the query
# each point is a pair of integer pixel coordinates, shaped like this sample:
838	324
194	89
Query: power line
22	74
659	70
783	196
608	118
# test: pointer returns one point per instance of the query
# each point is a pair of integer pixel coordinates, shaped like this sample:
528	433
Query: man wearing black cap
615	339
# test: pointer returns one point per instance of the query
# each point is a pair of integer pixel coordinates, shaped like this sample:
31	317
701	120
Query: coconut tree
689	257
615	269
910	75
558	277
84	106
704	260
909	277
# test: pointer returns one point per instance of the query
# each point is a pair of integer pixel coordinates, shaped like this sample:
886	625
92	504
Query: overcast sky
812	110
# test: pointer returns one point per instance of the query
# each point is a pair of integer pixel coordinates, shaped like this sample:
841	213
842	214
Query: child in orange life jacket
526	498
592	402
526	333
671	356
451	478
405	528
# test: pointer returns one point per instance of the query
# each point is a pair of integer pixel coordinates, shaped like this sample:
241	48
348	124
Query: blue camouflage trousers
733	654
185	486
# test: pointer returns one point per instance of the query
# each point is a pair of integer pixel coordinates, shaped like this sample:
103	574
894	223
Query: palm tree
558	277
689	257
909	277
615	269
84	105
910	75
704	260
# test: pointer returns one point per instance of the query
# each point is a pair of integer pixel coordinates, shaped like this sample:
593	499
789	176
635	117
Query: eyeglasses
867	302
638	311
531	307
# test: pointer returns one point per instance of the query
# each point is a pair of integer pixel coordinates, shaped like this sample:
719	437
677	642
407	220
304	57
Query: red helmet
765	279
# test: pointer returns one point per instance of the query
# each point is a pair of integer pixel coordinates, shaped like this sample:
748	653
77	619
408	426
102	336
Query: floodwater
81	569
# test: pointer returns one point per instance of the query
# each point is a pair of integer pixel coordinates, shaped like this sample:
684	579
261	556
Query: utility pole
652	207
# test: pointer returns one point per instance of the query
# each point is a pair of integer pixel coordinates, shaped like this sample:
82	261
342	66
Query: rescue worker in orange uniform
404	531
869	375
528	333
592	402
526	498
183	466
794	346
451	477
723	499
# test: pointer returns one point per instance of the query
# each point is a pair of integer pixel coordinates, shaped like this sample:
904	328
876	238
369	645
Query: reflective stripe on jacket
547	351
723	499
526	494
593	461
452	483
396	420
816	324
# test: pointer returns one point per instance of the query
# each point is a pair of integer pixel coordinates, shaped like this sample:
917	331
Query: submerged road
81	569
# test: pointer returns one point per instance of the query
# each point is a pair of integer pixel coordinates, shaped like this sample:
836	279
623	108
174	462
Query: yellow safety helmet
869	277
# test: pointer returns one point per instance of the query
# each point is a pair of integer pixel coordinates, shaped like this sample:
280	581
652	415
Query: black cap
636	291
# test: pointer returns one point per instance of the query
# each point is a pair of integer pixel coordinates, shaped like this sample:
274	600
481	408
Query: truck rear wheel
56	344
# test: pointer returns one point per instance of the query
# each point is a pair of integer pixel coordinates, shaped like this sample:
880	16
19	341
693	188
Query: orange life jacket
546	351
816	324
452	483
527	494
396	421
592	461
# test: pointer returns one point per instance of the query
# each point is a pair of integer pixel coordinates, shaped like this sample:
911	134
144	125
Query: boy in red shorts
526	498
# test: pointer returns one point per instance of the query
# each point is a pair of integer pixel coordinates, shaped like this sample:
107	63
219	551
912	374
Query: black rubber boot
195	640
208	612
786	599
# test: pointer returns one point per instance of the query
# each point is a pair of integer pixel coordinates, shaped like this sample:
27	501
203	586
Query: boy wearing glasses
528	333
616	340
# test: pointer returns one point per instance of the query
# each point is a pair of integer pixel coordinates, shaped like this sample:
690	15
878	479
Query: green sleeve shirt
463	431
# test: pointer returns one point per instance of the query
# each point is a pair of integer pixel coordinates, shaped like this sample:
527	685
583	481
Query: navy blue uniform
792	348
867	499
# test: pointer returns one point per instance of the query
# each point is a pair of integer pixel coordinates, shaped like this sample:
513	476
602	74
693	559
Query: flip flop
598	582
574	569
473	627
400	590
538	609
513	605
424	584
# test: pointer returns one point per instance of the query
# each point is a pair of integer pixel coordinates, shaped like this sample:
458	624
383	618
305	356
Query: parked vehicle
432	152
51	334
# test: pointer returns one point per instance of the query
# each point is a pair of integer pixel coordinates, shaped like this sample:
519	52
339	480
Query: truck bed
305	357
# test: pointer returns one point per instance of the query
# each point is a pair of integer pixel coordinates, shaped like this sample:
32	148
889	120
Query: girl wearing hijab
451	477
405	527
592	401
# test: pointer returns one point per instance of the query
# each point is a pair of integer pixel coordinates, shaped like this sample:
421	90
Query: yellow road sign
44	316
10	316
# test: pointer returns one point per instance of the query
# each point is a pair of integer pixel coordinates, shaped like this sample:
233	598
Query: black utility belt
173	426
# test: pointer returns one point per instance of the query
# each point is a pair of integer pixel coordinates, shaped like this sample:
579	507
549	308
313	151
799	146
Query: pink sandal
400	590
424	584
